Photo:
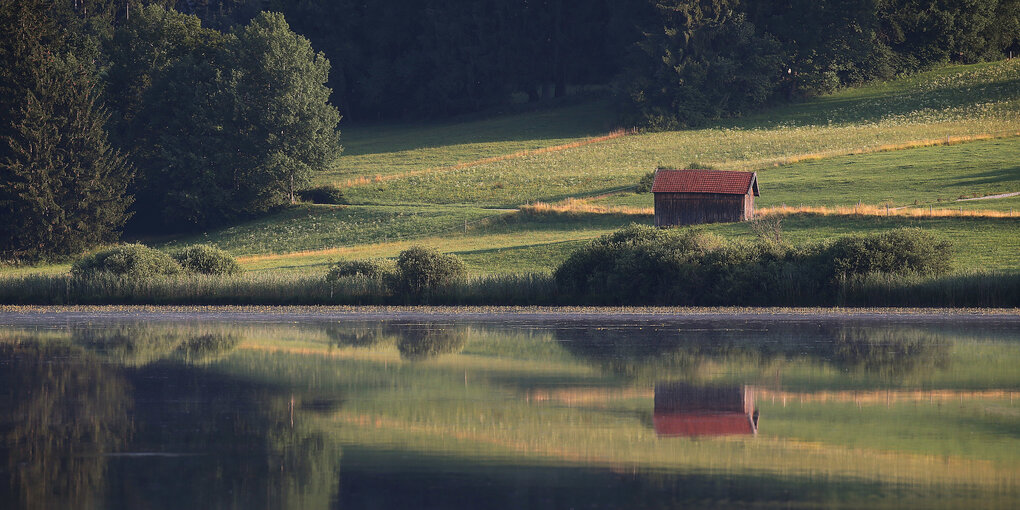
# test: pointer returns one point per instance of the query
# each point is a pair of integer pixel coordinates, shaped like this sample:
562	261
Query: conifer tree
62	187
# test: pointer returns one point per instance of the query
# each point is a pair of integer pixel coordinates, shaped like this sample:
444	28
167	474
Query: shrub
645	184
371	269
642	265
206	259
420	270
637	262
131	260
326	194
429	341
900	251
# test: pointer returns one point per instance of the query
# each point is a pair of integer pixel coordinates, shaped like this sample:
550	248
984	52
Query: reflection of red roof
705	181
702	424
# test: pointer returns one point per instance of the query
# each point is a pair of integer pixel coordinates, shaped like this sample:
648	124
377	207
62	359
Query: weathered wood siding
694	208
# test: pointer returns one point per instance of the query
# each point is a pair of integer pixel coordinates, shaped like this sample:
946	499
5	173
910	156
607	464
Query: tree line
670	62
184	113
150	116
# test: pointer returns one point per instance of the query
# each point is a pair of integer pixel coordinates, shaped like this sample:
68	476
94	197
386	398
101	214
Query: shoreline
21	315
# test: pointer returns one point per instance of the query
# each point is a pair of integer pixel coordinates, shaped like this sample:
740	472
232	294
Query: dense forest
173	114
682	59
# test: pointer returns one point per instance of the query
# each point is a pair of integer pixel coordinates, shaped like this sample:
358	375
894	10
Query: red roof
703	424
705	181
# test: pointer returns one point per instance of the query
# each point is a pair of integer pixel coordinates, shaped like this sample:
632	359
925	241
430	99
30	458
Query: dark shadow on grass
589	118
594	193
873	108
557	221
296	266
1011	174
511	248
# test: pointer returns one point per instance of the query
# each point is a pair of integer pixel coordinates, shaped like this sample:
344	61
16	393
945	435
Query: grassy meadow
458	186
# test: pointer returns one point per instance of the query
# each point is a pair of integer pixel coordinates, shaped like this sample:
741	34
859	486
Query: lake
151	408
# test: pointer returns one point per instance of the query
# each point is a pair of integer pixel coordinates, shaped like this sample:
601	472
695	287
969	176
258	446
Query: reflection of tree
426	341
889	352
185	435
356	336
60	413
240	445
414	341
206	348
140	345
635	352
127	345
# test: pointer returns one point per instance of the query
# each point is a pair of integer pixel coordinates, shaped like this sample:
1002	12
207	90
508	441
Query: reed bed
985	289
265	289
978	289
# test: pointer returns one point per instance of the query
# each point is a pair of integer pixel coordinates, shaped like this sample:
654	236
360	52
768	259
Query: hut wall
694	208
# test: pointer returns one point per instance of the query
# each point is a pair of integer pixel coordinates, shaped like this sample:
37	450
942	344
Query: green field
936	176
875	145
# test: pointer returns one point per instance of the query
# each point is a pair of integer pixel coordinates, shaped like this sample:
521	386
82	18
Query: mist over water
152	411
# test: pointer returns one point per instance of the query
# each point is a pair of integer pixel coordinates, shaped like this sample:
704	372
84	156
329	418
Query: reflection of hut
685	410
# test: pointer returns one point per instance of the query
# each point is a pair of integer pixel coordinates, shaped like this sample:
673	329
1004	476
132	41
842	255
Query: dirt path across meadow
989	197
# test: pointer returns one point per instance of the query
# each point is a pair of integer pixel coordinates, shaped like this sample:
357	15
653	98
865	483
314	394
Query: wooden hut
689	197
685	410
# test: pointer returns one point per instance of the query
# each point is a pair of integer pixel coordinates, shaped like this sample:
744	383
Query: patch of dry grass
879	210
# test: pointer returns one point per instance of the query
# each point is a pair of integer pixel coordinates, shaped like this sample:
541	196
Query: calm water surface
155	411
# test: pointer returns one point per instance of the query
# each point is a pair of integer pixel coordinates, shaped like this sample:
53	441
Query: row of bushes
645	265
634	266
417	273
137	261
